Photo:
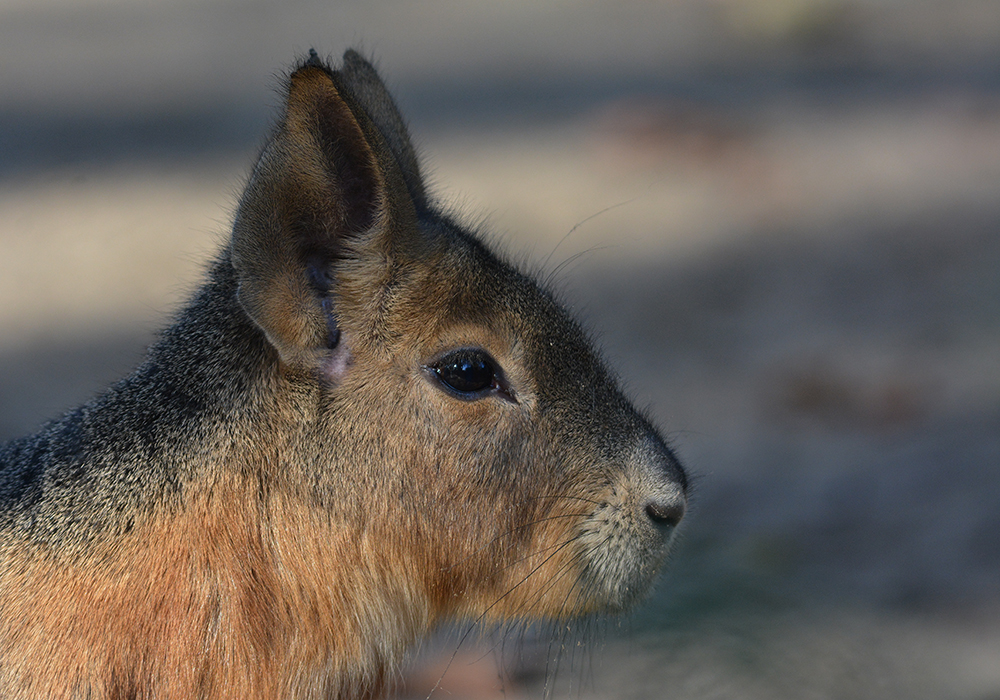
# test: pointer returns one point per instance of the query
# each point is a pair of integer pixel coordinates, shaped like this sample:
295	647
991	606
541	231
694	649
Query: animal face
363	424
497	456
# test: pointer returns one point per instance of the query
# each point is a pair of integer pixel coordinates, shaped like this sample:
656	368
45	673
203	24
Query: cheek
540	574
472	536
481	510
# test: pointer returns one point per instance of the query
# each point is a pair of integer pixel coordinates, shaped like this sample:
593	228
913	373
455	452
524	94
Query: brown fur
286	495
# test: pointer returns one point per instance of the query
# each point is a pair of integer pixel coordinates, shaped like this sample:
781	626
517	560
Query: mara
362	425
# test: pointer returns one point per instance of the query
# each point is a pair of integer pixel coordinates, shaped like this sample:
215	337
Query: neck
186	563
239	592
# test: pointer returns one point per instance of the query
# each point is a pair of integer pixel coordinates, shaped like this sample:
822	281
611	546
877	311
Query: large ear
363	82
324	186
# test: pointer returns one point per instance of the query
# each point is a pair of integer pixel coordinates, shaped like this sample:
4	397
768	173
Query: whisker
565	628
550	278
568	498
531	573
492	605
542	551
569	233
556	577
510	532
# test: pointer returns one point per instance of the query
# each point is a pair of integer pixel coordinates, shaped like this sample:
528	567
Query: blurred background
780	218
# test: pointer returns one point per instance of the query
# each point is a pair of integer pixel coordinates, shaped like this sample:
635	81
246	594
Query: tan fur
288	493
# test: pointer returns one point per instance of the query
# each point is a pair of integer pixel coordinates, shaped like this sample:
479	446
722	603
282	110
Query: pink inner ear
337	361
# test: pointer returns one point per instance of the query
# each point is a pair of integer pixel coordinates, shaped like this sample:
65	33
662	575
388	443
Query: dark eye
468	373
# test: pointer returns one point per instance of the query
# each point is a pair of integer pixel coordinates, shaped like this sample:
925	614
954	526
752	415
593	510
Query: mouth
597	551
605	562
622	550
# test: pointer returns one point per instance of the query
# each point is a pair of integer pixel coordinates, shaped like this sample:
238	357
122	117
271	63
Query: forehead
489	292
484	288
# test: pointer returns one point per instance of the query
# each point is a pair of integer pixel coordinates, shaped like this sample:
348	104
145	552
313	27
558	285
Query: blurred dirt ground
780	218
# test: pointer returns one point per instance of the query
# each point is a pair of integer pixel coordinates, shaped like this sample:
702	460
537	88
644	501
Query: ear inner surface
318	184
319	117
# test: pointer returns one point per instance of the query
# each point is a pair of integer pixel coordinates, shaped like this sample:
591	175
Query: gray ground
796	267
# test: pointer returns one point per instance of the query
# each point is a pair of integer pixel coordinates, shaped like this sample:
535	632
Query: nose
666	496
665	512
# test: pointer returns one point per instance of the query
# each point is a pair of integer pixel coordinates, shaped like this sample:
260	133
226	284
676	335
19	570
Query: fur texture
288	492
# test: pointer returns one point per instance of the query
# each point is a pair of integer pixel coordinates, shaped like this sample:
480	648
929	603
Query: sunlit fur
281	499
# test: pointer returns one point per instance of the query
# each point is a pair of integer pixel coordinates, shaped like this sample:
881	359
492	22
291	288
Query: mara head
462	435
363	424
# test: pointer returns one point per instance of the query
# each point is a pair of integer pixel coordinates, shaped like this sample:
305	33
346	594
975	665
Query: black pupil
466	372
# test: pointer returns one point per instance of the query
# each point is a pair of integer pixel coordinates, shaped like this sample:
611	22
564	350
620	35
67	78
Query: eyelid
500	387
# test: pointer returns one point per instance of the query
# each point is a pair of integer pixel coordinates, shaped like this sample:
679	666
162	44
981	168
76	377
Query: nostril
665	514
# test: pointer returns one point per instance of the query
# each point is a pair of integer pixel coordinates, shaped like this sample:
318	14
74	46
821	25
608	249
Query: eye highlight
469	374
